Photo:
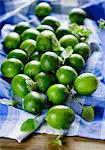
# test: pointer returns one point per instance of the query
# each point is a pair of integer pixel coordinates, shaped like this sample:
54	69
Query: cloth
11	118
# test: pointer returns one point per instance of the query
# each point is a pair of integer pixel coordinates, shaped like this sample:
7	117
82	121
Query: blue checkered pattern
11	118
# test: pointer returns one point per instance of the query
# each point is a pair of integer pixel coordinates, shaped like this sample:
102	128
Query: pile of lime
45	62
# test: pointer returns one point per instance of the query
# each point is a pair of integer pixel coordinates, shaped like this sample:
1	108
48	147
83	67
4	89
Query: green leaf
29	125
67	53
88	113
58	142
9	102
73	26
80	31
101	24
55	43
31	85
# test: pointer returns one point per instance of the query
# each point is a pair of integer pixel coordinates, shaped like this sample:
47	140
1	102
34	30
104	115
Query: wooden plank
40	142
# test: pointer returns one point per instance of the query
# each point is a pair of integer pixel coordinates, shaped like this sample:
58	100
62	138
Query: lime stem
75	98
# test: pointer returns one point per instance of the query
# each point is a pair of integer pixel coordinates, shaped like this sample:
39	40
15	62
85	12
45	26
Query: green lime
32	68
43	9
85	84
29	46
11	67
76	61
11	41
18	54
43	41
36	56
30	34
60	117
21	26
47	41
61	31
51	21
68	40
33	102
66	75
49	61
77	15
44	80
43	27
82	49
57	94
20	85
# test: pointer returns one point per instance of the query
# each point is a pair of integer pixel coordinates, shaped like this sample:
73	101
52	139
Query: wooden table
40	142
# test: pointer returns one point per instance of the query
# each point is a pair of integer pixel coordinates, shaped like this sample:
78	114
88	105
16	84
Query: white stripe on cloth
12	124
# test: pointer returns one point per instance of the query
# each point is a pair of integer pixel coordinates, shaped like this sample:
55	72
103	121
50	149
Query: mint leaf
58	142
67	53
101	24
9	102
31	85
55	43
88	113
80	31
29	125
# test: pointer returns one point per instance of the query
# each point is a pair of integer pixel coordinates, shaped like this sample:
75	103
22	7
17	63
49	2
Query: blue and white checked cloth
11	118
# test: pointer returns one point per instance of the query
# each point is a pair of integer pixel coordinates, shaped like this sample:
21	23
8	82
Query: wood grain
41	142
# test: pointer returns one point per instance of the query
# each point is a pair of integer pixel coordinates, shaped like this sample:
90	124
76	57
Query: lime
44	80
30	34
77	15
68	40
51	21
42	27
85	84
36	56
29	46
32	68
11	41
57	94
46	41
43	41
21	26
60	117
76	61
11	67
20	85
49	61
33	102
43	9
61	31
18	54
82	49
66	75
